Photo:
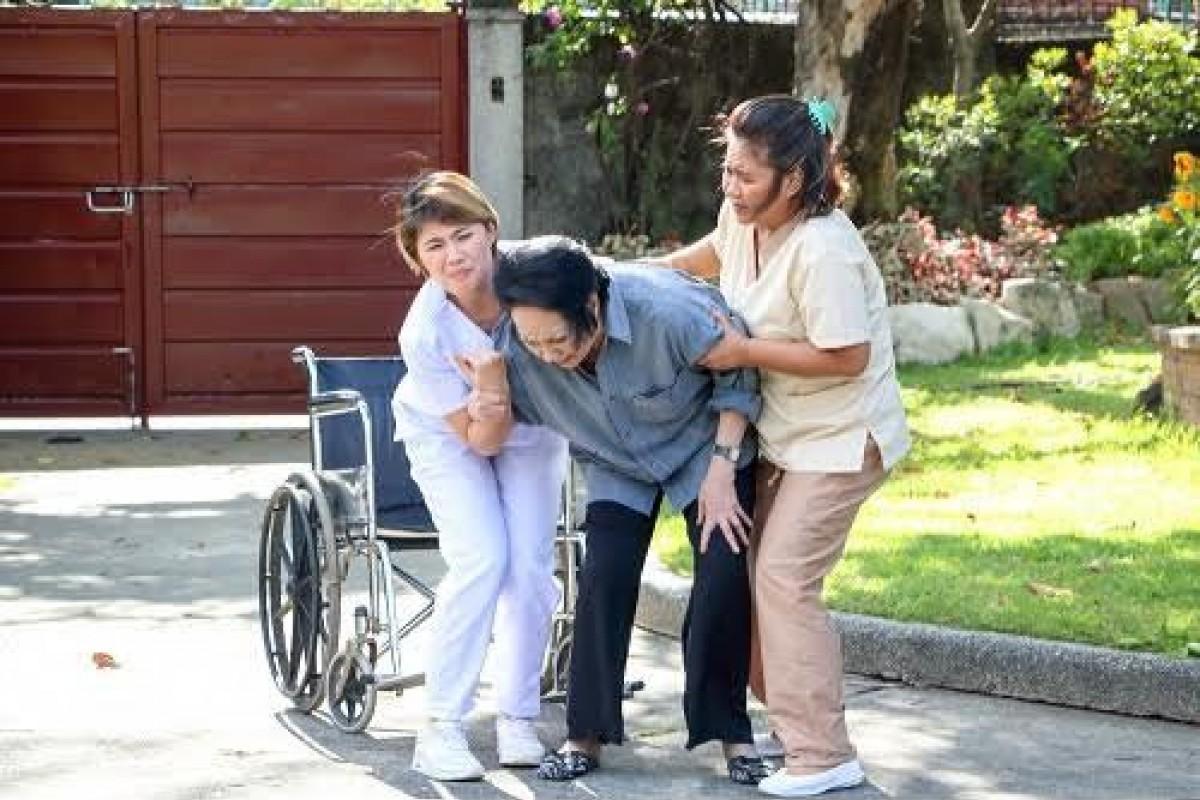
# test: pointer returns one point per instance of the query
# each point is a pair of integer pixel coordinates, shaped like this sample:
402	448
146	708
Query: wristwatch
730	453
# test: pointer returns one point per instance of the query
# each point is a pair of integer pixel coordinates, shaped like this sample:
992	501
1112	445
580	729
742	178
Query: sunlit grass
1034	502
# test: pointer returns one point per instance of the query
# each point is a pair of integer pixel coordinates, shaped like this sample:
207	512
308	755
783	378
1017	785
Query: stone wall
931	334
567	189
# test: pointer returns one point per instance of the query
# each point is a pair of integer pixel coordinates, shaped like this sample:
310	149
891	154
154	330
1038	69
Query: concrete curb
1061	673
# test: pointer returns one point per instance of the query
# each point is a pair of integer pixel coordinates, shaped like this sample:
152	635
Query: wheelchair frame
316	523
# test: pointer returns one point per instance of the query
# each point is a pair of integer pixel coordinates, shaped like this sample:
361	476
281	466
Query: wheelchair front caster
352	692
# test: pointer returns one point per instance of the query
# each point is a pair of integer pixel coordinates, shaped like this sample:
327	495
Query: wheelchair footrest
399	682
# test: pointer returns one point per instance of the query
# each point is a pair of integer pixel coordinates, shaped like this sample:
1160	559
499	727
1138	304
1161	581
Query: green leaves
1079	147
1147	81
1129	244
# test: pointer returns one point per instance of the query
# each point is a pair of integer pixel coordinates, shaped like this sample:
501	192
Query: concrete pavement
144	548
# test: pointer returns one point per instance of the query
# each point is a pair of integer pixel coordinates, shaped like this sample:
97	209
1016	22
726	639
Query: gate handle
125	206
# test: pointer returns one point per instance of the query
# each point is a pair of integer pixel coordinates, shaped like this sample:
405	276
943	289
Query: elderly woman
491	487
611	360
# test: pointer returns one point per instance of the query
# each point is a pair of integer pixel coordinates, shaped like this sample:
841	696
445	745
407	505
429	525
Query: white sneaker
517	742
768	745
442	753
783	784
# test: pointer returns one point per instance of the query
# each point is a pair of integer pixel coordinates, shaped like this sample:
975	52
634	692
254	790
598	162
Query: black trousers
716	627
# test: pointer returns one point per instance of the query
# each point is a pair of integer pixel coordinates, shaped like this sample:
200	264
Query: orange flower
1185	199
1185	165
1167	214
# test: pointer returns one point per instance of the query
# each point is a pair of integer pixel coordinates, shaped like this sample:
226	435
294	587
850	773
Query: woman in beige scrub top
832	425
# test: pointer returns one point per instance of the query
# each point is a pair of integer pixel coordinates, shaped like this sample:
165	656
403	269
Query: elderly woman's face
457	255
548	336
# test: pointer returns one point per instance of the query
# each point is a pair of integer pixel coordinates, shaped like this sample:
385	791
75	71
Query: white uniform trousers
496	519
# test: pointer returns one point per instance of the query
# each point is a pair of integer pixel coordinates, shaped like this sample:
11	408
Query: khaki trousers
802	521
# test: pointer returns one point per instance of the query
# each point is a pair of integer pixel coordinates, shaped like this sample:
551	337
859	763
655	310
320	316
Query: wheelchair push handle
303	355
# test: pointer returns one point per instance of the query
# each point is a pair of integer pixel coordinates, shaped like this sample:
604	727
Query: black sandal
566	766
747	770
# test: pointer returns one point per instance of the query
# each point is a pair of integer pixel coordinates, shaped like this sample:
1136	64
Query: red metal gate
267	144
70	312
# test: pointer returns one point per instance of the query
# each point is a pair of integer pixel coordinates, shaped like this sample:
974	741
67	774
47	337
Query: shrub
921	265
956	162
1142	243
1181	218
1102	249
1078	146
1146	80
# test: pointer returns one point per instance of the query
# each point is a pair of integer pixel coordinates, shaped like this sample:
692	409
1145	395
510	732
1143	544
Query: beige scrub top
816	281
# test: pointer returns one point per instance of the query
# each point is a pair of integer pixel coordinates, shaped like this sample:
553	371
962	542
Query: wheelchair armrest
341	401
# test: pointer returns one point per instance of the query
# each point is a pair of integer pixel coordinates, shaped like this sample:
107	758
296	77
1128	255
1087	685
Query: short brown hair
442	196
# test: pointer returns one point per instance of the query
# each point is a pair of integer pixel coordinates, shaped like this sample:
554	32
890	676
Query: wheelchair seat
401	516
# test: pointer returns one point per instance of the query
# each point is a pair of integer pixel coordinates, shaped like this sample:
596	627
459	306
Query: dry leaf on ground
104	661
1046	590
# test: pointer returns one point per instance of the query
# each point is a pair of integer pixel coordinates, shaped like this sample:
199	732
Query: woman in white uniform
493	494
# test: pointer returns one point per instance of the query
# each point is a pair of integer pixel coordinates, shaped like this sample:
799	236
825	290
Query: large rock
1123	302
923	333
1161	303
993	325
1089	306
1047	303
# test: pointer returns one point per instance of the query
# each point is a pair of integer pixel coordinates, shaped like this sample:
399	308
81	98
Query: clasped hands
487	373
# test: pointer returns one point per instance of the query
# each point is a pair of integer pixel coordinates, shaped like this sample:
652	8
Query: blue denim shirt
647	420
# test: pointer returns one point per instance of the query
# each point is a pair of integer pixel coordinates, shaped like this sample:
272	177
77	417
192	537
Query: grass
1034	502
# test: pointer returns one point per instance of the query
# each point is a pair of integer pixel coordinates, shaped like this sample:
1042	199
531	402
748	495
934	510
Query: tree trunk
965	43
858	61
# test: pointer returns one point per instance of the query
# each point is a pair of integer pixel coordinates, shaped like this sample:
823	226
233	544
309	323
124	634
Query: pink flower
554	18
642	108
627	52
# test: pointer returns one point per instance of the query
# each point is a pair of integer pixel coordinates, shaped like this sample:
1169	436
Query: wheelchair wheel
320	521
556	664
352	692
293	612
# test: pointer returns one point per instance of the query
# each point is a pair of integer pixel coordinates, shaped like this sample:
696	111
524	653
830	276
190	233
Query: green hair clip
822	113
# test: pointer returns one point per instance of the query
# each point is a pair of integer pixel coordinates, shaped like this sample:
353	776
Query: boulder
1089	306
993	325
1161	303
927	334
1048	304
1122	302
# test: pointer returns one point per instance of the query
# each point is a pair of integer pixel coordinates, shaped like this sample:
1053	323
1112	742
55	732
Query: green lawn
1034	502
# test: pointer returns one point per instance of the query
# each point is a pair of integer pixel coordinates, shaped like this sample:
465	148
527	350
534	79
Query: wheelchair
358	503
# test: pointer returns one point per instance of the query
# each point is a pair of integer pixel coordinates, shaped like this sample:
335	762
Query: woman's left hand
718	507
730	351
487	406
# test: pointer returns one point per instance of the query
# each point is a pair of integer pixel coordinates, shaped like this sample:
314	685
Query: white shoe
517	742
768	745
784	784
442	753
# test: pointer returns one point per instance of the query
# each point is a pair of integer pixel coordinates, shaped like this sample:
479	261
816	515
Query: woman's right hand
730	351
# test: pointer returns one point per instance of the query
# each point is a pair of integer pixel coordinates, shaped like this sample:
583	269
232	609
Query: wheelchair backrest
398	501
